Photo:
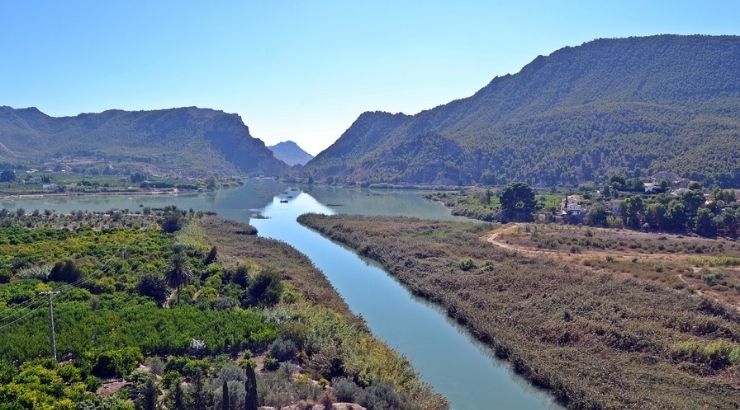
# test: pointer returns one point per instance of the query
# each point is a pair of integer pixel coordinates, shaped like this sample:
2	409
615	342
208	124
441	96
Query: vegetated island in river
182	310
590	330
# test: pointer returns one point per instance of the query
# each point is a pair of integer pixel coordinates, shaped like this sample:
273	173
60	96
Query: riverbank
593	339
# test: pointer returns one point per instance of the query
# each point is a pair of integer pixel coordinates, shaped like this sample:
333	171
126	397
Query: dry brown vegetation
596	339
235	245
700	266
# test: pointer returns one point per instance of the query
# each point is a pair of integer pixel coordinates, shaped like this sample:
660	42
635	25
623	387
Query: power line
65	287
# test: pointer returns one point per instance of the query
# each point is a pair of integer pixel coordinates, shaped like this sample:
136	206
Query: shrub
346	390
153	286
69	373
283	350
92	383
712	278
173	220
381	396
212	255
265	289
240	276
65	271
271	363
466	264
118	363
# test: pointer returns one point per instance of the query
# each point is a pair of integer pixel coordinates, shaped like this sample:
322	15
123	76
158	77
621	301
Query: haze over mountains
188	141
290	153
636	105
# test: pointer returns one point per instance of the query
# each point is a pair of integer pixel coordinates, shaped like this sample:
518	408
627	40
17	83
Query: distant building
651	187
573	206
50	187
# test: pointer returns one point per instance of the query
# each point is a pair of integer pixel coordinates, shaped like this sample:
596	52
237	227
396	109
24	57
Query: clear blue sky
302	70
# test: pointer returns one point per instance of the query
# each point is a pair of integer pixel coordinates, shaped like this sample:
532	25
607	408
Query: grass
595	339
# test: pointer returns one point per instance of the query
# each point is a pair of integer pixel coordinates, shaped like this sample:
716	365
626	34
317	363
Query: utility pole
51	323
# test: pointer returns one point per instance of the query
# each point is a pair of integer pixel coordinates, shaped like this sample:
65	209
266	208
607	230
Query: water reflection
443	352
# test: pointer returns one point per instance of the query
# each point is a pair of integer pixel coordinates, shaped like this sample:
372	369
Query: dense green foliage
704	212
115	313
640	105
517	202
208	141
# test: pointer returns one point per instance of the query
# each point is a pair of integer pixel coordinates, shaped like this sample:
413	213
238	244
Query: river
443	352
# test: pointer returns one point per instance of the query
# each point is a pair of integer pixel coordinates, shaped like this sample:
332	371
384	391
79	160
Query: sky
301	69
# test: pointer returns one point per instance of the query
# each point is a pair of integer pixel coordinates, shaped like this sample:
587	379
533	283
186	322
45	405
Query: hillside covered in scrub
186	141
636	105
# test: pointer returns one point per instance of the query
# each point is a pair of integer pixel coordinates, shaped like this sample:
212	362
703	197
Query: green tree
692	200
149	394
212	256
250	401
632	209
727	223
597	215
487	197
178	397
518	202
655	215
7	176
265	289
675	216
617	181
173	220
154	286
199	400
179	274
704	223
225	396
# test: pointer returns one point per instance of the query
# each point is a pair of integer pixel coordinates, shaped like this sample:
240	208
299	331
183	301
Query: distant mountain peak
290	153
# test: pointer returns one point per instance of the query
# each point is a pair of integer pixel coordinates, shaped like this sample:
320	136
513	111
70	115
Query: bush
271	363
92	383
240	276
712	278
153	286
173	220
346	390
466	264
65	271
117	363
381	396
265	289
283	350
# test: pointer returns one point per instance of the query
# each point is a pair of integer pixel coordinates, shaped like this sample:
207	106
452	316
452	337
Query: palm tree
179	274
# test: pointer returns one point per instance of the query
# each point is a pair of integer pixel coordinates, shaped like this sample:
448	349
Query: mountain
187	141
636	105
290	153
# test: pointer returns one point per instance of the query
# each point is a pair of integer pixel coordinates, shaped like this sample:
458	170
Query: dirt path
495	238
